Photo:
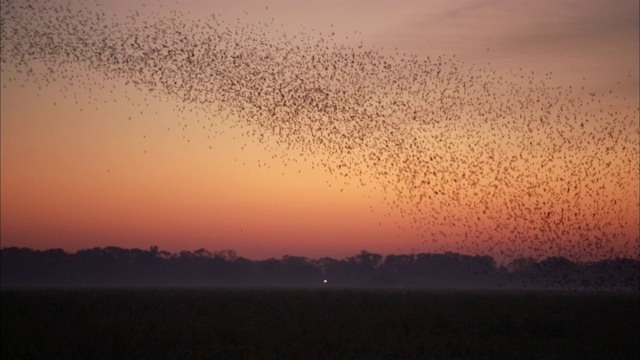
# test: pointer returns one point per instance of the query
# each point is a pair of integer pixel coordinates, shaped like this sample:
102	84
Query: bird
487	160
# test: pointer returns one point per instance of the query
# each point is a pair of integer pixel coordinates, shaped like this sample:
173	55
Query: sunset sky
84	166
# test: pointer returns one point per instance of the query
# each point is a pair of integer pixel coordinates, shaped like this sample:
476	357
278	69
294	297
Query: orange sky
84	167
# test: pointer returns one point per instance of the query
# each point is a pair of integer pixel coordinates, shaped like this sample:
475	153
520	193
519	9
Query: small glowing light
324	281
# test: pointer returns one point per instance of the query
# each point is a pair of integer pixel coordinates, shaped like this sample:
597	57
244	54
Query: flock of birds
497	162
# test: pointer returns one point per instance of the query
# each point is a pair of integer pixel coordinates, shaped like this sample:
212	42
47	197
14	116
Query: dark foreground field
309	324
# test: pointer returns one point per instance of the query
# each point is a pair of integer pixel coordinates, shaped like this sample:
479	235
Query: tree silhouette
114	266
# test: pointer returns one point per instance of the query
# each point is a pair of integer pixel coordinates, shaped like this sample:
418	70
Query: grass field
317	324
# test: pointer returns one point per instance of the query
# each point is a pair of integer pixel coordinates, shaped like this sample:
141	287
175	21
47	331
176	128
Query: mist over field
118	267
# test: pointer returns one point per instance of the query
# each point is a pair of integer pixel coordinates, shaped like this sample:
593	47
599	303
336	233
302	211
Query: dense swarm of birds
503	162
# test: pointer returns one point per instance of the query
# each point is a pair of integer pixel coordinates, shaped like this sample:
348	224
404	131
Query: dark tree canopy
114	266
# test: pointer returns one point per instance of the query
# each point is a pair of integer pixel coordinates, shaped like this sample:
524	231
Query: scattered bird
503	162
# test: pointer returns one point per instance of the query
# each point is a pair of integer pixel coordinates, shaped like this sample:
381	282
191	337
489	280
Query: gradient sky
111	166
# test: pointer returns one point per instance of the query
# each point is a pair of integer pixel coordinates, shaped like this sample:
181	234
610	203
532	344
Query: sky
91	161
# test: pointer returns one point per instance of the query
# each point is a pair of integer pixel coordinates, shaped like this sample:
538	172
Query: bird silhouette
488	160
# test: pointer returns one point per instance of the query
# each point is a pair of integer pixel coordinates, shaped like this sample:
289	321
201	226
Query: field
317	324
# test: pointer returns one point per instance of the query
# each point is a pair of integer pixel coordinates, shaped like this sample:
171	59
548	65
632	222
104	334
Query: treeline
114	266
